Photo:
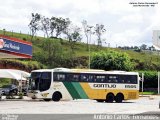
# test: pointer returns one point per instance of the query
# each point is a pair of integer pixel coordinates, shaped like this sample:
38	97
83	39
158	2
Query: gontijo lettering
104	85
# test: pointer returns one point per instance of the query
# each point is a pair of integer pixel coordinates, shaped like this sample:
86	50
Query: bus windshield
40	81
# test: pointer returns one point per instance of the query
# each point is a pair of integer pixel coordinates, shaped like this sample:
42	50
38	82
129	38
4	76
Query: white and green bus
68	84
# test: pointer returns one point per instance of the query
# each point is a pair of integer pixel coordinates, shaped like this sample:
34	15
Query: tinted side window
91	78
112	78
122	79
133	79
72	77
100	78
35	74
45	81
59	76
128	79
75	77
84	78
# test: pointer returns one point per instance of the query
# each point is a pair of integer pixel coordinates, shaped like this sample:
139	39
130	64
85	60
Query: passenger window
134	79
131	79
75	77
100	78
122	81
59	77
109	81
128	81
112	79
91	78
84	78
115	81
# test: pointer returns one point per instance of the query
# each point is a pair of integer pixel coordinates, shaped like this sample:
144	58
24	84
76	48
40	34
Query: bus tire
47	100
119	97
56	96
100	100
110	98
33	97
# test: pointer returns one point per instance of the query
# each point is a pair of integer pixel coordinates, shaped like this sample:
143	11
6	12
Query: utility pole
90	33
89	66
89	51
142	82
21	83
158	81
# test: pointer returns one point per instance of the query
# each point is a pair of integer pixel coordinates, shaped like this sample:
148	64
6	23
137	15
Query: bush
111	60
20	95
10	97
150	80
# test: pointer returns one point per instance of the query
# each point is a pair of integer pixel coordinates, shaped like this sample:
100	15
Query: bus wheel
56	96
110	98
100	100
33	97
46	99
119	98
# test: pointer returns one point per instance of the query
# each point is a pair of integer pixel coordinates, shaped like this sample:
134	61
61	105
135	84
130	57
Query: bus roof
85	71
42	70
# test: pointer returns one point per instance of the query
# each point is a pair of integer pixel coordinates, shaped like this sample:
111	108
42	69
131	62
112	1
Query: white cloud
126	38
155	19
135	18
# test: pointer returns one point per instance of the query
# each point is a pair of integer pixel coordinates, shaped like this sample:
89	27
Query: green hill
53	52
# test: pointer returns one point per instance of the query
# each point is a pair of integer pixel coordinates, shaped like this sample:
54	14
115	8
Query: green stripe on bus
71	89
80	90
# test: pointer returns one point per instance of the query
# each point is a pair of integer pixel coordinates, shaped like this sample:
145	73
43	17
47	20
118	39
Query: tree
111	60
136	47
53	53
45	25
143	47
61	25
86	31
99	30
53	25
73	35
34	24
58	25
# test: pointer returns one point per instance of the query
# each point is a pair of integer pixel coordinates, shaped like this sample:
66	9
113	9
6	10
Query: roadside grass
80	48
147	93
4	81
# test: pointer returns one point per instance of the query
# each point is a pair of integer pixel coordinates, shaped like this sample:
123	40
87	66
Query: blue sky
125	24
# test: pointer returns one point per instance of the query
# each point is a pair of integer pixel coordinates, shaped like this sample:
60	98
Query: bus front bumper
34	94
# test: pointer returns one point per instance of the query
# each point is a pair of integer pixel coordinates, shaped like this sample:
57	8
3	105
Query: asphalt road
80	109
